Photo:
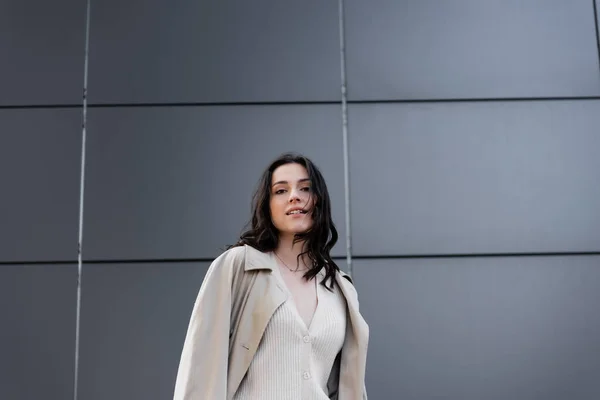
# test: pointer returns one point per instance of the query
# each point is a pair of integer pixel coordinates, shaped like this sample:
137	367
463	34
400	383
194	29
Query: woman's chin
296	230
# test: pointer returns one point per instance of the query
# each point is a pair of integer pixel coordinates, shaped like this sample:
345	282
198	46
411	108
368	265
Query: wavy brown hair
319	239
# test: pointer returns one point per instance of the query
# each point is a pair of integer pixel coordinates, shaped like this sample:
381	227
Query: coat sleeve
364	386
202	373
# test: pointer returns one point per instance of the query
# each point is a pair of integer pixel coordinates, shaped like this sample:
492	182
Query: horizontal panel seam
337	258
292	103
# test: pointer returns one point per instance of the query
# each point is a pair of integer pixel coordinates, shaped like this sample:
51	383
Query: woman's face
291	199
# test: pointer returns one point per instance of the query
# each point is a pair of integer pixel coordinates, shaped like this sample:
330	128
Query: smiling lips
296	211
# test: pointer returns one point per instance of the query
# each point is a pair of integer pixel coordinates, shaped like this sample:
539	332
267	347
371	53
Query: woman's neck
288	251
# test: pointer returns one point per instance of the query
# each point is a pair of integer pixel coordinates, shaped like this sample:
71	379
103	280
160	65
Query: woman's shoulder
240	255
233	256
346	283
344	275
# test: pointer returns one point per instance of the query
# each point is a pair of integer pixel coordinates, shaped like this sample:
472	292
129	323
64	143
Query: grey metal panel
37	339
225	51
482	328
133	325
42	49
40	161
475	177
430	49
172	182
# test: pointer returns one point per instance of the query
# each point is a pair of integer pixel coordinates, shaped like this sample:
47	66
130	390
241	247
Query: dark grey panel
171	182
37	339
432	49
226	51
482	328
42	47
133	325
475	177
40	162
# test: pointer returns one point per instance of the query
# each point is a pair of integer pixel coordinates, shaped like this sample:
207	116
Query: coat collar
256	260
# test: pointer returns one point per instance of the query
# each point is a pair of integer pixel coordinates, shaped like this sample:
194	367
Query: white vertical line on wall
345	135
81	192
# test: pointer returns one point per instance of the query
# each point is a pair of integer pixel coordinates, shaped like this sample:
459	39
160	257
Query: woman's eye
306	189
279	191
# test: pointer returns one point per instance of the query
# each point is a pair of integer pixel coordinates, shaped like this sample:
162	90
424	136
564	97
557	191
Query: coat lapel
267	296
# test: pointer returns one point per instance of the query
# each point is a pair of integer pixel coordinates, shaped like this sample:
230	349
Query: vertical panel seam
81	197
345	136
595	6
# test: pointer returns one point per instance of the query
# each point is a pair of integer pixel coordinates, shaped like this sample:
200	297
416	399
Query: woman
275	318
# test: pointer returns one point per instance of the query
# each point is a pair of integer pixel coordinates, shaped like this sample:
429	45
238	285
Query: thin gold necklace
291	270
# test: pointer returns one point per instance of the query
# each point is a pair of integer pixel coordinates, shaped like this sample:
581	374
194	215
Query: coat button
306	339
306	375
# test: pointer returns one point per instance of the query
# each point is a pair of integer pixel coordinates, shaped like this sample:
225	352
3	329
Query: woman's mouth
296	212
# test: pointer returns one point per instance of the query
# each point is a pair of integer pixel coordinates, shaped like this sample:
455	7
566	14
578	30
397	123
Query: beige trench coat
226	327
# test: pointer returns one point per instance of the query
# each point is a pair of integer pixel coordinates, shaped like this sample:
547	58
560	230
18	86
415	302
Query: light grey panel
482	328
133	325
42	47
37	339
40	161
443	178
207	51
171	182
431	49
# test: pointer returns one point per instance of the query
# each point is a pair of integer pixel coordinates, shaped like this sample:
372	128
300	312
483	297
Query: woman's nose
294	196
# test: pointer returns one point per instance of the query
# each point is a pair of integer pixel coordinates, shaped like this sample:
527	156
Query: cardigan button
306	375
306	339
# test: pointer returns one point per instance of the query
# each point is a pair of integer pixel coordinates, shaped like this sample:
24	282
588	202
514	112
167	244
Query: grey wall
473	138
